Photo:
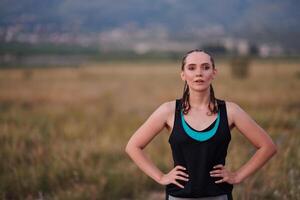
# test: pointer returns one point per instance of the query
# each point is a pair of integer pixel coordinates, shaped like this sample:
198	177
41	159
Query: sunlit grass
63	131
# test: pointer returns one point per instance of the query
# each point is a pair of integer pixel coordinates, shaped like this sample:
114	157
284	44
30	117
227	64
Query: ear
215	72
182	76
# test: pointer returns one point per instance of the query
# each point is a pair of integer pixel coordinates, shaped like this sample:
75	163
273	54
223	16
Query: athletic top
198	151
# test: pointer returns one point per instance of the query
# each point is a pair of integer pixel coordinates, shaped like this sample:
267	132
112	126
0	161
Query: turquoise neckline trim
200	135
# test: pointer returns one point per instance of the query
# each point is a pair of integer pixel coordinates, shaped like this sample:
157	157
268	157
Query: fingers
178	184
181	178
224	179
218	166
179	175
216	171
177	171
182	173
180	167
219	181
217	175
220	171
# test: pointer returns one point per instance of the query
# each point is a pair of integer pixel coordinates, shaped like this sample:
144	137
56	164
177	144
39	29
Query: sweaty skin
198	67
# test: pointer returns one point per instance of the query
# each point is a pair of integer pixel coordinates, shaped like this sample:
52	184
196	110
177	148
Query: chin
202	89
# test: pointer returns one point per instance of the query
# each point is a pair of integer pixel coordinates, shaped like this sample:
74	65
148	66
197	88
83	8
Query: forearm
144	163
261	156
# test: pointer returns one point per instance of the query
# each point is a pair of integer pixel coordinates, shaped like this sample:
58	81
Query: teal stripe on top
200	135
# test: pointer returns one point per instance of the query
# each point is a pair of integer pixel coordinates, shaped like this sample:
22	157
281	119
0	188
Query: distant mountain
256	20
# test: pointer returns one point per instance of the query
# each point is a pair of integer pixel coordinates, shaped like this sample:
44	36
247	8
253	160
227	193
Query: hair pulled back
185	104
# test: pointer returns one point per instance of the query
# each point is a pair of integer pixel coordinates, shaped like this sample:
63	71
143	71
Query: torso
199	151
207	120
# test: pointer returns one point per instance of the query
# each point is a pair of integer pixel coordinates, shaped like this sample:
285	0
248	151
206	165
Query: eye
206	67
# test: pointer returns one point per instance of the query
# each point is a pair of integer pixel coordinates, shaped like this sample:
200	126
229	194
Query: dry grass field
63	131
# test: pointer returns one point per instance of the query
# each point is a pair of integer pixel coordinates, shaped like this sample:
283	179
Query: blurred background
77	79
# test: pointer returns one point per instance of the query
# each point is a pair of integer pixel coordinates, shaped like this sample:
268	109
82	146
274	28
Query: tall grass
63	131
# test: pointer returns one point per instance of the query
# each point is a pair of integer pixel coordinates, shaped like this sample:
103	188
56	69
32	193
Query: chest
196	123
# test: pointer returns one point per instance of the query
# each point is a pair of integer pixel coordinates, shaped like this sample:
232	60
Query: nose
199	72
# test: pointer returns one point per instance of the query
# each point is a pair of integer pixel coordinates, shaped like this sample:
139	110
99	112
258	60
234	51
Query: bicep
249	128
150	128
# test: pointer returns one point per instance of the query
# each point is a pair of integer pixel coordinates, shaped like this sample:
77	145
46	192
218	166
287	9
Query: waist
219	197
199	190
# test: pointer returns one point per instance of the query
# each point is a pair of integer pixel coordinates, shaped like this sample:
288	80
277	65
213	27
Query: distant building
266	50
236	46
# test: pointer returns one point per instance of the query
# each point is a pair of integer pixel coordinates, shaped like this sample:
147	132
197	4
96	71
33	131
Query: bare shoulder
233	111
165	111
232	107
167	106
152	126
238	117
169	110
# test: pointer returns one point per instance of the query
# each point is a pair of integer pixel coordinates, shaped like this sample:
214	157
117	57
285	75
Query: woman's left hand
226	175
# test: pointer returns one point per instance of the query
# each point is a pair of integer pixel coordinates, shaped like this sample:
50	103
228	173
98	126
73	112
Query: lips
199	81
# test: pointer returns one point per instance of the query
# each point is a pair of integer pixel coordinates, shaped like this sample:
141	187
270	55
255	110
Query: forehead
197	58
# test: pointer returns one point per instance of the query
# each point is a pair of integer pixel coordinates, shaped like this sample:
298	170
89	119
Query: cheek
189	76
209	75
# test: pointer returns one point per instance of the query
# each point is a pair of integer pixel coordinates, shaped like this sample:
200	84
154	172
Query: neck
199	100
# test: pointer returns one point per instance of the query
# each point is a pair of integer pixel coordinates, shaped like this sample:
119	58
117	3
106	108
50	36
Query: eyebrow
193	64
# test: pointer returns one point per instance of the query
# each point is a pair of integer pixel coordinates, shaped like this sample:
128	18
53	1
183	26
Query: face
198	71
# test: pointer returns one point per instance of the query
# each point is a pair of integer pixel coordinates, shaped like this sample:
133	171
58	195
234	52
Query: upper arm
151	127
248	127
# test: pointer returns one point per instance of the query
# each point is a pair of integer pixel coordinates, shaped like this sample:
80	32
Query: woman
200	126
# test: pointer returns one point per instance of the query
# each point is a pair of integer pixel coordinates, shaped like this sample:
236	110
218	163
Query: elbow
130	147
269	148
127	148
273	149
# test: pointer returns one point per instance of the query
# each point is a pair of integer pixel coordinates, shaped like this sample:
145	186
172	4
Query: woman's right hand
174	174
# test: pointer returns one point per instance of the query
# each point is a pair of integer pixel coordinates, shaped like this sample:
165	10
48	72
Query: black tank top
199	155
